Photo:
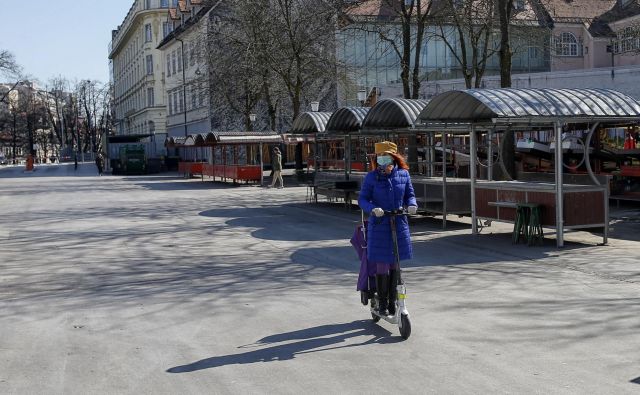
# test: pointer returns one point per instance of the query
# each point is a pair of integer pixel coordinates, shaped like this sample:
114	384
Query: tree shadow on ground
53	170
311	340
277	223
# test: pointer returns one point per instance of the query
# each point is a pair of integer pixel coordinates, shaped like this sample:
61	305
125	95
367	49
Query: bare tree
8	64
505	14
466	29
270	57
90	98
402	26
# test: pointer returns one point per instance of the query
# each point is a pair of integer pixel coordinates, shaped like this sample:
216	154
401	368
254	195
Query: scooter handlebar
399	211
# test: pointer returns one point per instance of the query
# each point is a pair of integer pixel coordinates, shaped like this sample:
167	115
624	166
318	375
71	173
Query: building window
170	102
150	98
200	95
192	55
173	62
149	64
174	3
181	100
164	3
567	45
194	97
175	102
168	65
627	40
166	29
147	4
533	52
179	61
518	5
147	33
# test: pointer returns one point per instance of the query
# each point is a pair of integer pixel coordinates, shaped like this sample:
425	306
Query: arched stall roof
310	122
226	137
190	141
393	113
346	120
255	137
198	139
530	106
171	141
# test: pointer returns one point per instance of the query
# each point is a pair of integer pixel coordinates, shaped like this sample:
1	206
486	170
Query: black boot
393	291
382	287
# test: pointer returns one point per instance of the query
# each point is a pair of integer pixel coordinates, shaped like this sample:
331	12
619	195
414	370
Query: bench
513	205
339	189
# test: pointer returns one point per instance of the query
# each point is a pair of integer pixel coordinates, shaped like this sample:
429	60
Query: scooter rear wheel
405	327
375	318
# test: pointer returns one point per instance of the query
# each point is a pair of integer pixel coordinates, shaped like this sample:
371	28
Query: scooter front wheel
405	326
375	318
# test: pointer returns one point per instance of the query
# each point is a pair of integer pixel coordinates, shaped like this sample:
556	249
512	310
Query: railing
232	172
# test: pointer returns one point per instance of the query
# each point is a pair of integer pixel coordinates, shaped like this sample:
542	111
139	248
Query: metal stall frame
345	123
208	141
400	116
502	110
305	128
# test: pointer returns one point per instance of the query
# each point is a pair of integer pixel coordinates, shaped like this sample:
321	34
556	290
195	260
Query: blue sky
61	37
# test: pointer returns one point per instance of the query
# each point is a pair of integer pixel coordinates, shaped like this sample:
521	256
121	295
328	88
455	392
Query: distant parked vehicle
4	160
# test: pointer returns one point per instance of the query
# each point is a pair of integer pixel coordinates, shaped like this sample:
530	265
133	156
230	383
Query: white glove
378	212
412	209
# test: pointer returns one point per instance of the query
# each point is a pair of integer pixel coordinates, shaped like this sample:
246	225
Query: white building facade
137	70
186	94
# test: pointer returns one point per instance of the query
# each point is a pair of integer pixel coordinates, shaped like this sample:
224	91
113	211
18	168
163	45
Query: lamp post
314	107
252	119
362	96
184	85
611	48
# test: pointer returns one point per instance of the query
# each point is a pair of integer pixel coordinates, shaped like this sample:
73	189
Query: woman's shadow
319	338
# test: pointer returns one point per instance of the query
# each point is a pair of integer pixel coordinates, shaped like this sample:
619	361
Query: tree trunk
504	10
406	58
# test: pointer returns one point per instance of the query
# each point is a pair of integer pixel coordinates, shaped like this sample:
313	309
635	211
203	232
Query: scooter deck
392	319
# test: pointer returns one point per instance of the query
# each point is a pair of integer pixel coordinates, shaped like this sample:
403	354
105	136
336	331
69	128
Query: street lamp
362	96
314	106
252	119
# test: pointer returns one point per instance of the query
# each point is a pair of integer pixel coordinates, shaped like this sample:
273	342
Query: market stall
236	156
481	111
301	141
395	120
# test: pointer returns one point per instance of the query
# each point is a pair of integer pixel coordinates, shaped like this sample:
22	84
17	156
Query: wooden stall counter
584	205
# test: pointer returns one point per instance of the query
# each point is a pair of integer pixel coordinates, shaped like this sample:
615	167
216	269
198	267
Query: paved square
156	284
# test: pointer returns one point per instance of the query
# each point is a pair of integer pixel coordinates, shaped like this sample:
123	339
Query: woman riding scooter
387	188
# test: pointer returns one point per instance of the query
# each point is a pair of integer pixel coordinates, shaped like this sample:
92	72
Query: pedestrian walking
276	166
386	189
99	164
75	162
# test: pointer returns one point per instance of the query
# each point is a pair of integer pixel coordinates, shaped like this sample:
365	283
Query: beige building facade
137	70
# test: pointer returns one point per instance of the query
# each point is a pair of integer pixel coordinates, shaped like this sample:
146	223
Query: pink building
594	33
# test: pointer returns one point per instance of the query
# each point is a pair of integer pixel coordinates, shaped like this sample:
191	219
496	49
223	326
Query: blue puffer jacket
389	192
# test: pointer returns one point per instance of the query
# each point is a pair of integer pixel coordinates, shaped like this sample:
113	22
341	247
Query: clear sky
61	37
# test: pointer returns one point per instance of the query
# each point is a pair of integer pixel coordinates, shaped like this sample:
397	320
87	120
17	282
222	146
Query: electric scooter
401	318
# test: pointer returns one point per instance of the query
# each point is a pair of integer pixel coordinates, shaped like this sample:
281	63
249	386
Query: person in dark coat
386	188
99	164
276	165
